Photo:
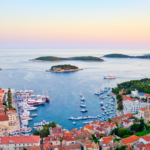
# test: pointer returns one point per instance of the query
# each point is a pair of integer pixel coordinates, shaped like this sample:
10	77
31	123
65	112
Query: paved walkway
118	112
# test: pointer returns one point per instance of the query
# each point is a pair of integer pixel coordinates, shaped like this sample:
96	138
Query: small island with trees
64	68
81	58
115	55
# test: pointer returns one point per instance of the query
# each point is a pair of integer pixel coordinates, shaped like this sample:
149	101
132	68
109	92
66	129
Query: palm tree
61	139
109	120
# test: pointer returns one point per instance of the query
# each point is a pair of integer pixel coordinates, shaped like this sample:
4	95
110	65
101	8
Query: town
129	130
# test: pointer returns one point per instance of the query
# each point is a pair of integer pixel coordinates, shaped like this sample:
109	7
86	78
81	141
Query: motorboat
110	77
101	103
99	116
83	110
33	115
74	122
82	105
103	108
82	98
101	97
97	93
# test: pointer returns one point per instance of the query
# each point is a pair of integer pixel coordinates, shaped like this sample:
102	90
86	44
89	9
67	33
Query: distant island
0	69
53	58
64	68
115	55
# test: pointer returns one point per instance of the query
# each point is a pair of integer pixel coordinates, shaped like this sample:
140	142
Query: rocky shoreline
61	71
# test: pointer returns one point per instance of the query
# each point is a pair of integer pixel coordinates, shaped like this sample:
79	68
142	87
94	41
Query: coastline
64	60
71	70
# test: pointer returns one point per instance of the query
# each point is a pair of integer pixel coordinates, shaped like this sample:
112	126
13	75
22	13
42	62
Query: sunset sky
74	23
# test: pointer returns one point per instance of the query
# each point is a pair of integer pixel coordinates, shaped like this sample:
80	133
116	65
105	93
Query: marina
65	89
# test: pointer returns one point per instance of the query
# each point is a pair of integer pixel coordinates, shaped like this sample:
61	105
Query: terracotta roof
2	113
68	134
34	148
68	138
20	139
122	92
146	138
130	139
127	98
126	121
89	127
4	118
100	129
106	140
70	147
142	109
57	130
88	146
147	95
75	131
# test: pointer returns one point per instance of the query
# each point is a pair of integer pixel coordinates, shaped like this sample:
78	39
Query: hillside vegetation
142	85
125	56
84	58
65	67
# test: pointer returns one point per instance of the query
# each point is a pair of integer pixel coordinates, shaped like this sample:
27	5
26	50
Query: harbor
64	89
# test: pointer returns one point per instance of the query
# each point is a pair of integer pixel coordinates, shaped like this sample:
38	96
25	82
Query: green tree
119	97
61	139
120	106
109	120
141	126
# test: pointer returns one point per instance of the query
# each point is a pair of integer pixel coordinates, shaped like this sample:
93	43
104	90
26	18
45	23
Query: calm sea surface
64	88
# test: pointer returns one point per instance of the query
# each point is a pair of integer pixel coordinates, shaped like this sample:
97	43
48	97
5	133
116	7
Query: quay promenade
118	112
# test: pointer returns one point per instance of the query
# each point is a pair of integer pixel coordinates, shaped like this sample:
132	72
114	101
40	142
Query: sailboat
81	93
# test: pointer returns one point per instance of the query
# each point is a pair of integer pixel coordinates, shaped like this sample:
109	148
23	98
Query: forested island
64	68
53	58
142	85
115	55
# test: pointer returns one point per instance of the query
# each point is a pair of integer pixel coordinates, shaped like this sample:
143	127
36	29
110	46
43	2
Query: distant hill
125	56
53	58
117	56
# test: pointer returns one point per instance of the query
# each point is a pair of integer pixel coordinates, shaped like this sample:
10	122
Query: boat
101	103
83	110
32	115
47	98
110	77
85	122
74	122
97	93
83	99
103	108
101	97
35	102
82	105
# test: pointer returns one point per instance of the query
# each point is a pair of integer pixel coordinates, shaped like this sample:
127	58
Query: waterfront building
11	117
132	106
138	94
147	113
18	142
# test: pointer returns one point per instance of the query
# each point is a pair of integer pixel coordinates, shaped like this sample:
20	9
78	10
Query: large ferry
110	77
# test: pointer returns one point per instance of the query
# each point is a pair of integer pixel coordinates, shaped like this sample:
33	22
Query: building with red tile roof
105	142
19	141
147	95
88	127
130	140
125	98
145	139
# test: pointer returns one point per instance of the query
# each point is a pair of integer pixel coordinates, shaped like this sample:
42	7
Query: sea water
64	88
